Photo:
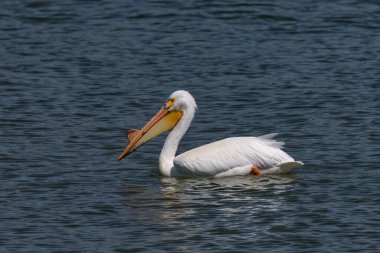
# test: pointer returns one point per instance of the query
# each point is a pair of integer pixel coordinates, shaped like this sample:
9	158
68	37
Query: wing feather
226	154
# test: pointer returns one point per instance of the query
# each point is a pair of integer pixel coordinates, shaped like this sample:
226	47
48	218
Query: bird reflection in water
179	199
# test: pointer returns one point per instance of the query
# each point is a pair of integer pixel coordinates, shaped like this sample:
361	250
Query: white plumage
227	157
224	155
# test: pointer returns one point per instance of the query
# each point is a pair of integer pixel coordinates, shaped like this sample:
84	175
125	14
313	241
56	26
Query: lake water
75	75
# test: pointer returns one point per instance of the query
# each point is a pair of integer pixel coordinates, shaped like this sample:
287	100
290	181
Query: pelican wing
226	154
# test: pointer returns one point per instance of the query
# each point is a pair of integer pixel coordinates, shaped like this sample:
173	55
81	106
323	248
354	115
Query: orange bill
163	121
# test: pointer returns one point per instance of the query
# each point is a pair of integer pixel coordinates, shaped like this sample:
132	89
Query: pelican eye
170	102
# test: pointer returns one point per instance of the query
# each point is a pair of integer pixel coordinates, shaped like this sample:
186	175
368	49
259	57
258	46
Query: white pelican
228	157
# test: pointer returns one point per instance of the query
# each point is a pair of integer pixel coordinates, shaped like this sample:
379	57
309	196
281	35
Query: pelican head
178	104
181	100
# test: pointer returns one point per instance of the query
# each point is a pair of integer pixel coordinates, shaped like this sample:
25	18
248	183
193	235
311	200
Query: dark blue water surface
74	75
